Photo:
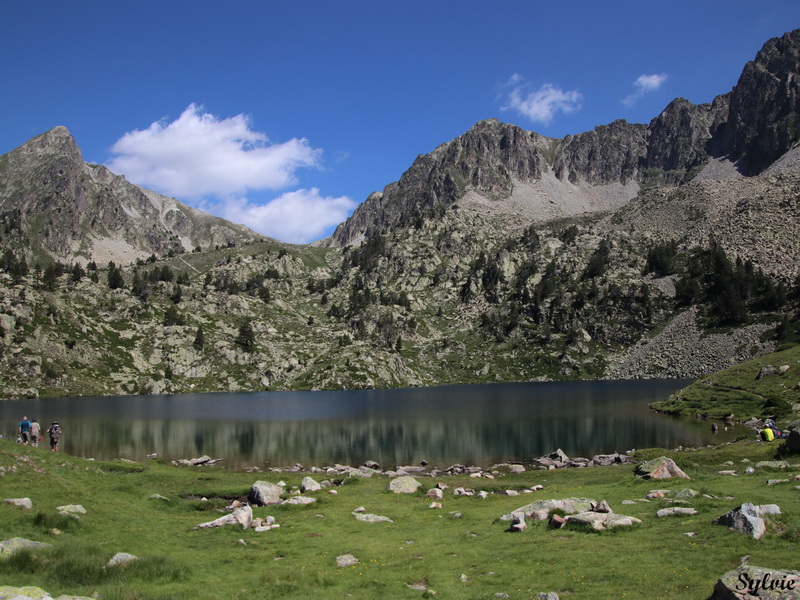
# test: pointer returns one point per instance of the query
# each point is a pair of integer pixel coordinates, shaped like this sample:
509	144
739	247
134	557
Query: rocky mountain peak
753	126
764	117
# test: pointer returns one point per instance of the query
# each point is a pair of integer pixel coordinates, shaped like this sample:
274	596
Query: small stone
434	494
435	505
346	560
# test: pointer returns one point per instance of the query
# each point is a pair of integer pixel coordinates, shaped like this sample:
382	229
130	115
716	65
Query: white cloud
540	105
644	84
200	155
298	217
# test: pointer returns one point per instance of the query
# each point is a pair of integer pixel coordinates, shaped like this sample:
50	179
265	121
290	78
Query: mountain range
660	250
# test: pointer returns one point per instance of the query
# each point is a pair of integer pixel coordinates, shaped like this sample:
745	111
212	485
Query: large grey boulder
540	510
747	519
264	493
404	485
750	581
16	544
309	485
660	468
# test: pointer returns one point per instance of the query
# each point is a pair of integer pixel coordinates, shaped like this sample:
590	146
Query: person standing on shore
36	432
24	430
55	435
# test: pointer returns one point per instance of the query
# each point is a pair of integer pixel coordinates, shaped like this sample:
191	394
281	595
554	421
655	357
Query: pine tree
199	339
246	338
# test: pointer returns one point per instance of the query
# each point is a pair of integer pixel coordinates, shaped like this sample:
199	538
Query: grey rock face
404	485
745	519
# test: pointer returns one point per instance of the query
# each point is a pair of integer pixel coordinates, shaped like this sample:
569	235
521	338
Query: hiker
55	434
771	431
24	430
36	432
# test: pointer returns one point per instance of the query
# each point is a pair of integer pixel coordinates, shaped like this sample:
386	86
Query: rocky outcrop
764	117
74	210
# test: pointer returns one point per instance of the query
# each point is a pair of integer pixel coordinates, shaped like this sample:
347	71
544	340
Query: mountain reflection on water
473	424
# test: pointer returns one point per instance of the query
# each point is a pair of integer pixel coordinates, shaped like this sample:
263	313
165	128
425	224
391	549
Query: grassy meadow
424	553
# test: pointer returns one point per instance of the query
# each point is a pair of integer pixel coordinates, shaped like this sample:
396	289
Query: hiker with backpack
55	434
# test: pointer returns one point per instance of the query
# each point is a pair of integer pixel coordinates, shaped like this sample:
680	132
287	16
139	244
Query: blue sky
284	116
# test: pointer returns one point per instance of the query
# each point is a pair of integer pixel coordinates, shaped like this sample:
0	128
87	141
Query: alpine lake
468	424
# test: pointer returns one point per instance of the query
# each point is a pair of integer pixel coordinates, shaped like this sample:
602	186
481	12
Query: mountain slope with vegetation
666	250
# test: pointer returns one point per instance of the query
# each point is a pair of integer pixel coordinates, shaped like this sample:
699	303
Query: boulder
744	519
72	509
241	516
404	485
434	494
264	493
21	502
346	560
546	596
120	558
309	485
660	468
12	545
750	581
676	510
600	521
29	592
540	510
370	518
767	371
300	500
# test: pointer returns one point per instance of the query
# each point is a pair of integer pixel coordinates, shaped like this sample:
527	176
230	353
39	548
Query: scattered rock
159	497
300	500
15	544
746	519
346	560
30	592
434	494
767	371
676	510
241	516
370	518
264	493
601	521
540	510
660	468
21	502
435	505
120	558
546	596
404	485
71	509
309	485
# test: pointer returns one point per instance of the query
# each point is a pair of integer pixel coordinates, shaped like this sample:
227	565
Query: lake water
471	424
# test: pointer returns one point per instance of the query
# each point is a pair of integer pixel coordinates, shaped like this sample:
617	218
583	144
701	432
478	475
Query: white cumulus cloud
644	84
539	105
200	155
298	217
216	163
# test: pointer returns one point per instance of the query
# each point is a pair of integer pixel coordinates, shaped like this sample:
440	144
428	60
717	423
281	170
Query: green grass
738	390
653	560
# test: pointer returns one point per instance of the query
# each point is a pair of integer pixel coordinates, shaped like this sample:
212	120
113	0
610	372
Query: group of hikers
30	432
